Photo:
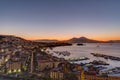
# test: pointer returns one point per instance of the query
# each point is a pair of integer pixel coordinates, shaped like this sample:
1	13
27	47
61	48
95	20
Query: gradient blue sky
60	19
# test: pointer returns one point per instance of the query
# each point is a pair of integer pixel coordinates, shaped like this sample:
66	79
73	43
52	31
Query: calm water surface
84	51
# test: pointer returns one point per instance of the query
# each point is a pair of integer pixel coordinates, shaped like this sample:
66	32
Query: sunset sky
61	19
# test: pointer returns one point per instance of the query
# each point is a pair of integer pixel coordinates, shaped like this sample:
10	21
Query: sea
112	49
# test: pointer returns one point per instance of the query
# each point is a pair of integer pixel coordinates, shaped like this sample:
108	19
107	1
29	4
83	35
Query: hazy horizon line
54	38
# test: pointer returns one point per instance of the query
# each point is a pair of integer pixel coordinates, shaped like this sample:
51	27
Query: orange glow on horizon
67	38
50	38
106	38
62	37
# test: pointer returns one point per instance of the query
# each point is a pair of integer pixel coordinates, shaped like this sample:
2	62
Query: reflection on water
84	51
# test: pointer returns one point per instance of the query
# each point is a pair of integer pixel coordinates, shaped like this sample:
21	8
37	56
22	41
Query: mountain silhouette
83	40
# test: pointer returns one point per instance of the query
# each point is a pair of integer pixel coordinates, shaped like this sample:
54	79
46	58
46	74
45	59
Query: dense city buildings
24	59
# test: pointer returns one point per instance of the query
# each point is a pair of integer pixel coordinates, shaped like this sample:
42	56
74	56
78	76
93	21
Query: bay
112	49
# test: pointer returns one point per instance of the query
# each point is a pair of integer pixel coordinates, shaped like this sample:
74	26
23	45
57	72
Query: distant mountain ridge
113	41
46	40
72	40
83	40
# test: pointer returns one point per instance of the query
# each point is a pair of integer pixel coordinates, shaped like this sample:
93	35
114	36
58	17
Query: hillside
83	40
114	41
46	40
10	39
